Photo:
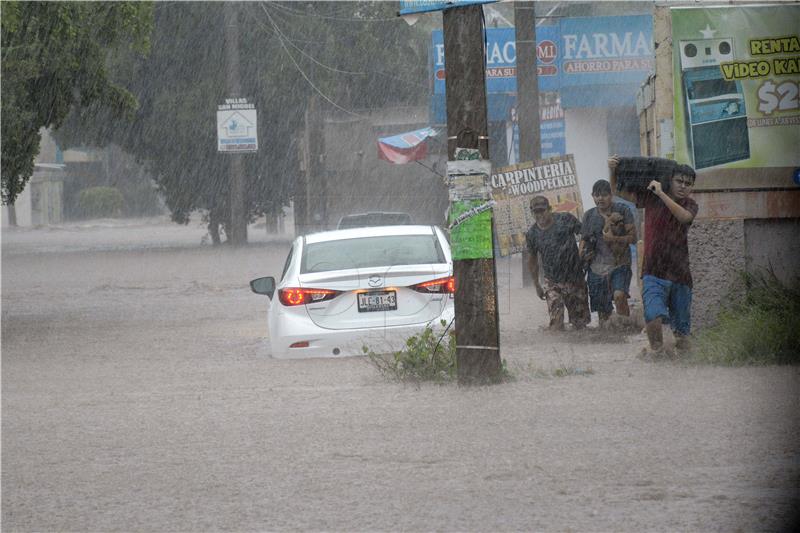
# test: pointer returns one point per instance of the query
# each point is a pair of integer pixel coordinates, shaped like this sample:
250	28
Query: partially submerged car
375	218
345	289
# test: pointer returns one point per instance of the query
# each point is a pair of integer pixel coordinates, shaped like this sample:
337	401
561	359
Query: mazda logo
375	281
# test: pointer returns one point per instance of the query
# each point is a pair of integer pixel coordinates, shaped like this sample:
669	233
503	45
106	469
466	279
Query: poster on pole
237	126
514	186
470	214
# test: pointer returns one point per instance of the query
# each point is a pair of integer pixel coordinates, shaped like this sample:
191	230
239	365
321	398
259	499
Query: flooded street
138	394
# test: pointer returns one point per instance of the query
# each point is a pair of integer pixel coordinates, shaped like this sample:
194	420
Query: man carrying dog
608	232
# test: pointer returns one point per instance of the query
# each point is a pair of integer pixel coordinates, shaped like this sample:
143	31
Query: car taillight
442	285
299	296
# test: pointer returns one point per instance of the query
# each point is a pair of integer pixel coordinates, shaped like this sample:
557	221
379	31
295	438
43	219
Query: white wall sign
237	126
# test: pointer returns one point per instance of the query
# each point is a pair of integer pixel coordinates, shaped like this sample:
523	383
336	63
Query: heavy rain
638	260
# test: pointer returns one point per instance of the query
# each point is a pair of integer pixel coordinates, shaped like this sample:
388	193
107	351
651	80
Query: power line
313	59
298	12
333	69
272	33
302	73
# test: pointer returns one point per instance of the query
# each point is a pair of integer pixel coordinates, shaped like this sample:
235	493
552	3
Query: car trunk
384	294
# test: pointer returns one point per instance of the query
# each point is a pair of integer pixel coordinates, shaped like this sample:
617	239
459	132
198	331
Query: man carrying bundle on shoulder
666	275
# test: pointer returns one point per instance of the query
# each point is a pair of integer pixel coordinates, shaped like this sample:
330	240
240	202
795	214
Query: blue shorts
602	288
669	301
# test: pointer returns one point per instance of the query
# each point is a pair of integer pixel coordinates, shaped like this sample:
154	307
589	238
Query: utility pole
237	230
300	186
477	330
530	144
316	186
310	191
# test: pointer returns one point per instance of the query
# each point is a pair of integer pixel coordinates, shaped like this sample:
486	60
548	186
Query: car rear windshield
364	252
374	219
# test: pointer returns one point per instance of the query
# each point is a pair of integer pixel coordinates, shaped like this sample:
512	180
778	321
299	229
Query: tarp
405	147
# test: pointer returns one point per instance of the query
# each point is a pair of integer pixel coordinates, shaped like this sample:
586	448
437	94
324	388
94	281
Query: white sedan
346	289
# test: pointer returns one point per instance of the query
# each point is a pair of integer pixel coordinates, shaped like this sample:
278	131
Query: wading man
553	236
608	232
666	277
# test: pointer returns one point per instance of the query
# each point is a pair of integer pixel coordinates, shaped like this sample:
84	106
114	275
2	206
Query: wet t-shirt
559	252
666	248
604	260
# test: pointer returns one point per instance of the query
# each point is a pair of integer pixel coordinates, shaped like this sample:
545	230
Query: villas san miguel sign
237	126
514	186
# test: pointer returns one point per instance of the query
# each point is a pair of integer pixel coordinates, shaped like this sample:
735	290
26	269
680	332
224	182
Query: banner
606	50
591	61
501	59
514	186
736	78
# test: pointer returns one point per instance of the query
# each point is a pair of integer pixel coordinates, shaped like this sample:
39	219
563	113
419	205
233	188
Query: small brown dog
615	226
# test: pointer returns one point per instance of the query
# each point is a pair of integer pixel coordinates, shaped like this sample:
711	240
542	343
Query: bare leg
681	342
621	303
654	334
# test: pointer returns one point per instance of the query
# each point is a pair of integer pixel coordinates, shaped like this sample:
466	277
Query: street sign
409	7
237	129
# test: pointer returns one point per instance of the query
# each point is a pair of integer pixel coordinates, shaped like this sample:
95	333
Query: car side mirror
263	286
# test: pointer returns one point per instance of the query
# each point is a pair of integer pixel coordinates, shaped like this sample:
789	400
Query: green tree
356	55
54	58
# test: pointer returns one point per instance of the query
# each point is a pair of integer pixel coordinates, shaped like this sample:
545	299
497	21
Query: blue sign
606	50
552	131
408	7
592	62
501	60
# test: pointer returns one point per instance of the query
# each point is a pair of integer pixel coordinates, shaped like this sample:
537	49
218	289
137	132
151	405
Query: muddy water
138	394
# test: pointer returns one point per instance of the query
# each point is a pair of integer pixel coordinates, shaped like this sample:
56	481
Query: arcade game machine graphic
716	118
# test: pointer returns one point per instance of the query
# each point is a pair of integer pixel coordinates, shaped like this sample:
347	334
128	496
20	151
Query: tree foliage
352	55
54	58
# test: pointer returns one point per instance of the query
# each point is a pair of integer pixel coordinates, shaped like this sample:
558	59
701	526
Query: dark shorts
669	301
602	288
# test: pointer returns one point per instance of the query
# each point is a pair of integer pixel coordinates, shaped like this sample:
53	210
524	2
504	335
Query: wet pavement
138	393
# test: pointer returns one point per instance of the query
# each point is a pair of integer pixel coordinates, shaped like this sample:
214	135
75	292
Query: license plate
377	301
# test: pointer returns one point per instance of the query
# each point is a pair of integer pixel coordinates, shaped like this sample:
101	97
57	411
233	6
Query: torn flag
405	147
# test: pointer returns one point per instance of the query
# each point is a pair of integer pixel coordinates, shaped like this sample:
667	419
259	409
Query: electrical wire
302	73
429	168
407	82
272	32
333	69
298	12
313	59
433	354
